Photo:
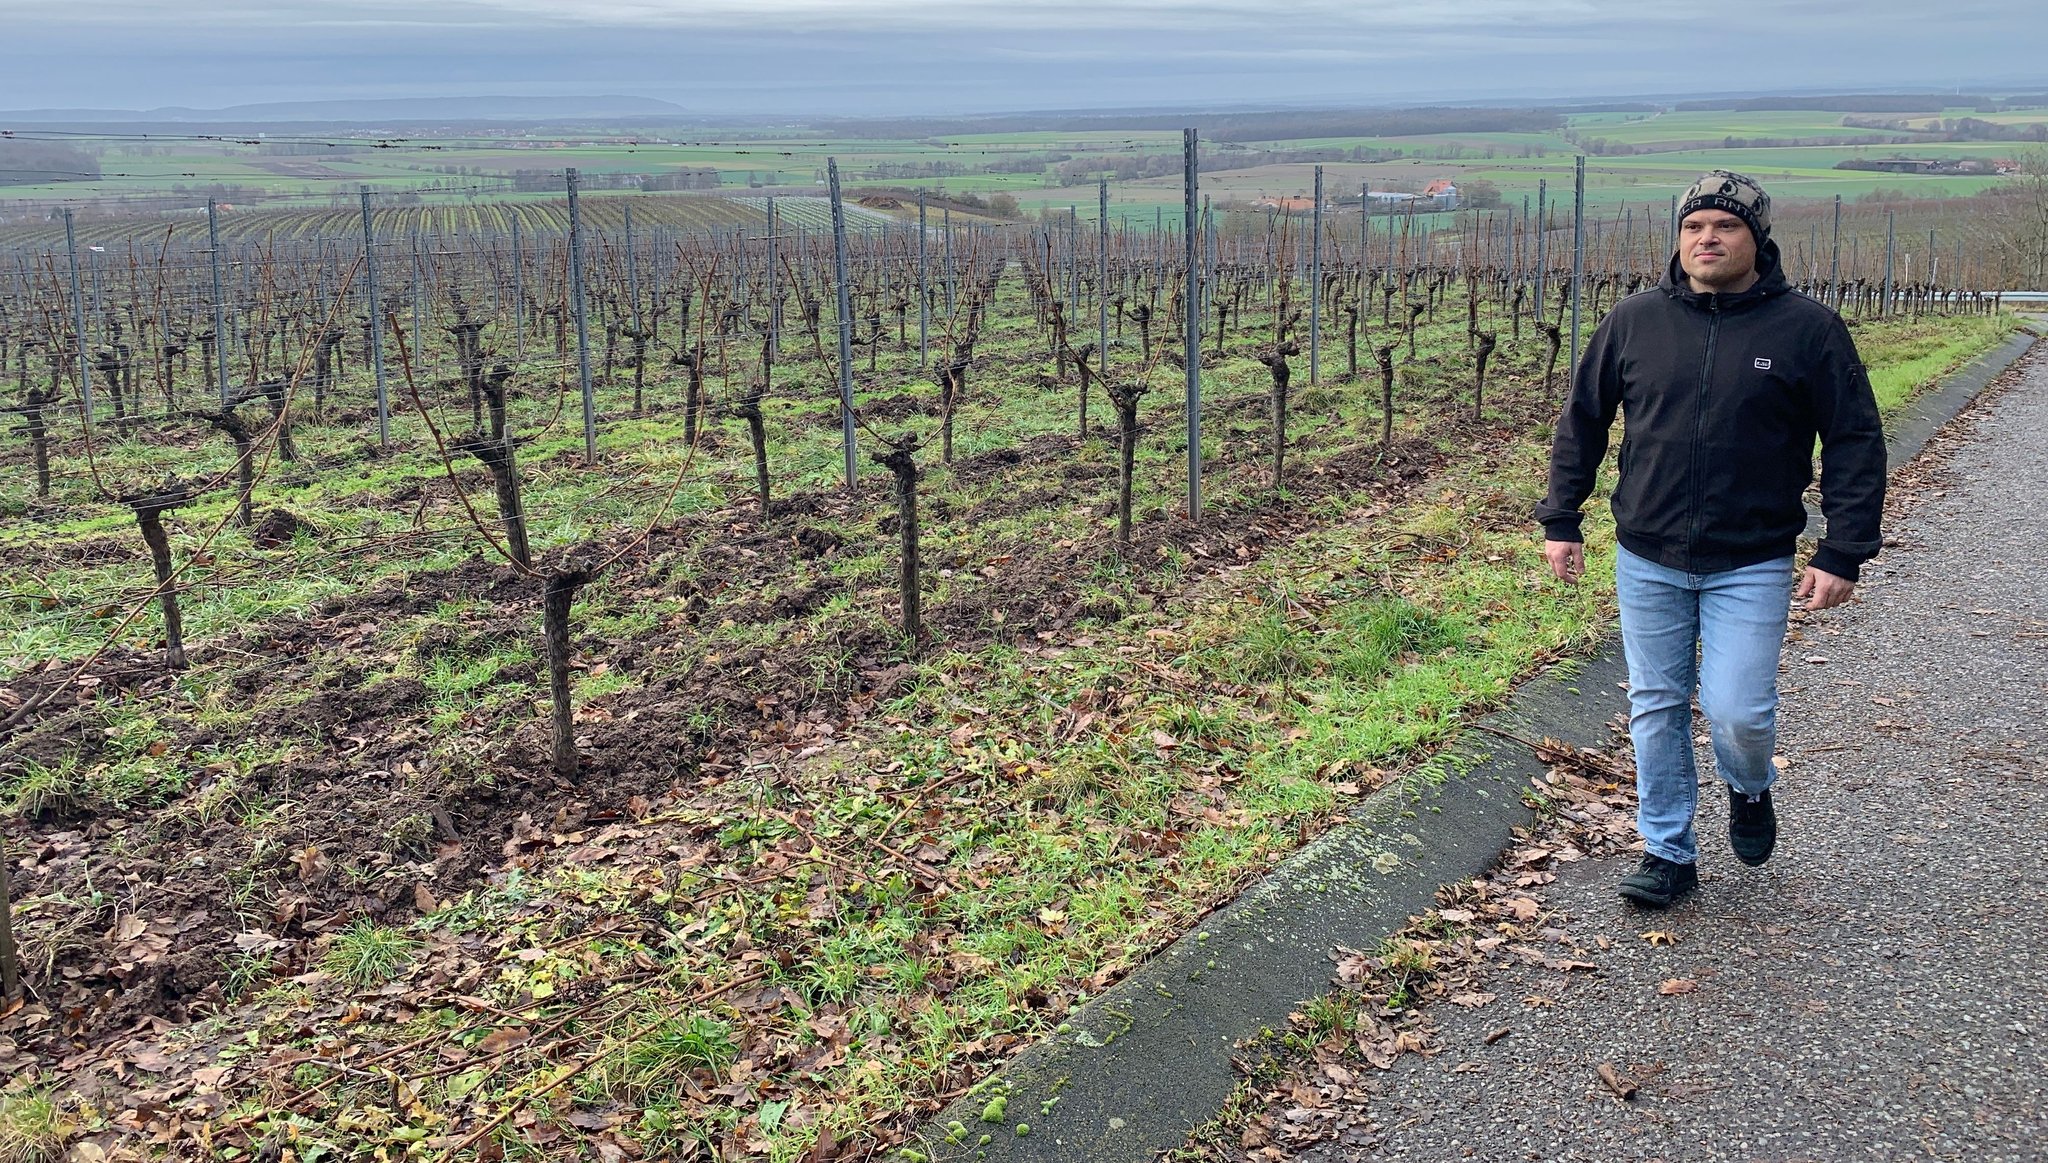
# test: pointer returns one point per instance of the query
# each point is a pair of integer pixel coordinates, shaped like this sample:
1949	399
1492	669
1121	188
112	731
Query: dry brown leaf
1673	986
1622	1085
503	1038
313	864
1660	937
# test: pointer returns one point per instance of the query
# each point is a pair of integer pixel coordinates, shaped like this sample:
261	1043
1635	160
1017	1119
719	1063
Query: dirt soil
374	820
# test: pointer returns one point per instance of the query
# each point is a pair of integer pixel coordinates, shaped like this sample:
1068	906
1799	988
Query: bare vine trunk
1480	357
559	596
149	510
1125	397
901	461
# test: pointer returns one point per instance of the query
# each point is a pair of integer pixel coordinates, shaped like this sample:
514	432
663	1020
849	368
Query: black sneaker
1658	882
1752	827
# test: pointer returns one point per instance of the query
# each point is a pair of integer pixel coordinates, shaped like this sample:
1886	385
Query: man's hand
1568	559
1822	590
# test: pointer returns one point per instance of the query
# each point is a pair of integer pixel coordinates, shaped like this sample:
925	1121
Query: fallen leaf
313	864
1622	1085
1673	986
151	1059
593	1121
1472	998
503	1038
1660	937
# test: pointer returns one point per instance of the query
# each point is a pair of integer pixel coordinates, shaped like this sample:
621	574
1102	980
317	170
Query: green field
1634	158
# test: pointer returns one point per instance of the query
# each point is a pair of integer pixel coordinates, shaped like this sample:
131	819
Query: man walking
1725	377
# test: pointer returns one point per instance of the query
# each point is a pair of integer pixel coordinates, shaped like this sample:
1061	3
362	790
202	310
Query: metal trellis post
582	321
220	312
924	300
1578	249
1191	313
1102	279
845	299
78	321
376	321
1315	286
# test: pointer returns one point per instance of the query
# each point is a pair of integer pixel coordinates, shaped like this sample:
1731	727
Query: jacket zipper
1699	420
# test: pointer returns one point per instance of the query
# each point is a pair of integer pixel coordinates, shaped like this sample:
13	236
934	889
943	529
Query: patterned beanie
1738	194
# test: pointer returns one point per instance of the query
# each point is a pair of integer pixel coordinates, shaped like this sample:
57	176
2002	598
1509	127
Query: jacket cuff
1563	527
1828	559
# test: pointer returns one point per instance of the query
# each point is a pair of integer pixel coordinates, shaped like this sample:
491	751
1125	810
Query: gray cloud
907	56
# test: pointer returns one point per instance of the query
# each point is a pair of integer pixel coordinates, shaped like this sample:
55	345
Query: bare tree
2029	188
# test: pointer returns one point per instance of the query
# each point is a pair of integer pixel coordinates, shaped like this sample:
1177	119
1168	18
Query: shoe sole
1752	857
1648	899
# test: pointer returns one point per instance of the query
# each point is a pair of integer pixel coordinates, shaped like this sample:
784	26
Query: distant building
1904	165
1441	194
1288	205
1930	166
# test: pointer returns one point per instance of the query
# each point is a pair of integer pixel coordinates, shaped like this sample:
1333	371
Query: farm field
1671	148
751	815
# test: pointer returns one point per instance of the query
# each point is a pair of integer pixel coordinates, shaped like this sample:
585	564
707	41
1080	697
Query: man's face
1715	249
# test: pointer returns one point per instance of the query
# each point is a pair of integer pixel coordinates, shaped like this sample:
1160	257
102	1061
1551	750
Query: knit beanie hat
1738	194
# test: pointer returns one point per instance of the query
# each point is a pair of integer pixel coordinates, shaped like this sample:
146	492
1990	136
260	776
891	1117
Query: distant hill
388	109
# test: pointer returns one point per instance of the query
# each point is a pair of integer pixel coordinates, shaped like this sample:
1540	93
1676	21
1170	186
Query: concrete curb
1137	1068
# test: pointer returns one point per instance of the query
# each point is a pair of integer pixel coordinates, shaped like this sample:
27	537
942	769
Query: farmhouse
1441	194
1914	165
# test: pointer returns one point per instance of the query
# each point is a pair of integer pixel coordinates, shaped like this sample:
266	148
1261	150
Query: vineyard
497	679
140	238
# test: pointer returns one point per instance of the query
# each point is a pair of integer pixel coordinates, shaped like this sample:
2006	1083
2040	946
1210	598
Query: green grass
33	1128
367	954
1907	355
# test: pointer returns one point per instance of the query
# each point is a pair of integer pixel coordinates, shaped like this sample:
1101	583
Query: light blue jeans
1722	633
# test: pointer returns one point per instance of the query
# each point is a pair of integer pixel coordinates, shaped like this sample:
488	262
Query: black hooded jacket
1723	396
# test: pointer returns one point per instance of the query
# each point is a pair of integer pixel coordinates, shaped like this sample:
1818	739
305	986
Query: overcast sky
947	56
